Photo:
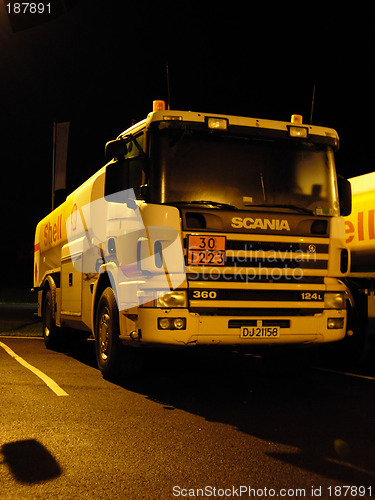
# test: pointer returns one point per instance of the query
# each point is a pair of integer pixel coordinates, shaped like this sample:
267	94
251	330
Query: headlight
172	323
176	298
334	300
335	323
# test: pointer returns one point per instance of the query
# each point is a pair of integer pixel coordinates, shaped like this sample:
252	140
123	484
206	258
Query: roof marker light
296	119
158	105
295	130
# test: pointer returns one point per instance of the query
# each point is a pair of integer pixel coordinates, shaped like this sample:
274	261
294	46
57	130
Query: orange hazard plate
206	250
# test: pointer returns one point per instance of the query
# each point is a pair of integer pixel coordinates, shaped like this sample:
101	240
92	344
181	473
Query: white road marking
47	380
347	374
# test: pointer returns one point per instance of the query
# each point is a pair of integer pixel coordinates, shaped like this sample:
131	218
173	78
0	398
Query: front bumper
226	330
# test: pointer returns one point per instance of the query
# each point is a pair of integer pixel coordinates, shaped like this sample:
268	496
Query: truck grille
240	286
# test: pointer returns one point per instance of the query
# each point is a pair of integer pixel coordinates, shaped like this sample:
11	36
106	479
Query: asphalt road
189	425
18	313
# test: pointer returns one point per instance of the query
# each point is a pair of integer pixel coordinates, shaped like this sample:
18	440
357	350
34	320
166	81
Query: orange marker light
296	119
158	106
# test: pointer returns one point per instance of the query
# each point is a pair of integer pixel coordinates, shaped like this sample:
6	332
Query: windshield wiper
292	207
215	204
178	137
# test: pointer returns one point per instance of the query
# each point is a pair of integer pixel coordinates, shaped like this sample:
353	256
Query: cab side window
136	146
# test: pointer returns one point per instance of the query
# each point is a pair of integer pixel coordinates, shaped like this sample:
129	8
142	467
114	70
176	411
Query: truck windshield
243	172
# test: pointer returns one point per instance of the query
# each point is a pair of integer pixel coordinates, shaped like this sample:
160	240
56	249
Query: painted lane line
347	374
46	379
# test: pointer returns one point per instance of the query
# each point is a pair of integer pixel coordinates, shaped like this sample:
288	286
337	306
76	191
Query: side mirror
345	195
116	180
115	149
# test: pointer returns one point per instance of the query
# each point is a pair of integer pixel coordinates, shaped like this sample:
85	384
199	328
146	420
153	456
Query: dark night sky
101	65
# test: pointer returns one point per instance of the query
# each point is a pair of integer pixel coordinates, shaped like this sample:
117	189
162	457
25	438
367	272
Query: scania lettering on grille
250	223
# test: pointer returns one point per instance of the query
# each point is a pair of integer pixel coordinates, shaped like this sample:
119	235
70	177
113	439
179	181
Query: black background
100	64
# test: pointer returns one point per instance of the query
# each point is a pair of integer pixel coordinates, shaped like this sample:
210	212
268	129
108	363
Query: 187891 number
28	8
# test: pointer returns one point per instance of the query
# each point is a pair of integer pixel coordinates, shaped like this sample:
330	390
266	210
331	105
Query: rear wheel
107	343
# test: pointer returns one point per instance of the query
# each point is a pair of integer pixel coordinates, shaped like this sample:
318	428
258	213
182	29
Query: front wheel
107	343
51	333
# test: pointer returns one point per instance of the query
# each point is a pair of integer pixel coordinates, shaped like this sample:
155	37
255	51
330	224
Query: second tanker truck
360	238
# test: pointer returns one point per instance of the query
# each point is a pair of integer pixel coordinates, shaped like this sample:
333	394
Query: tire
351	351
107	343
51	333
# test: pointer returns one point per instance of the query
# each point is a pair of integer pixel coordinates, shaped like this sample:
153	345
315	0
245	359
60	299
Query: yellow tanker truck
360	238
203	229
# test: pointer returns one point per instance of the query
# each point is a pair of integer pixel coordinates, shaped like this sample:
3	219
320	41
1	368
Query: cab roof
327	135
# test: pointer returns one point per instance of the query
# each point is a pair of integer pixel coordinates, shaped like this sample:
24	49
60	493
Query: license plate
259	332
206	250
